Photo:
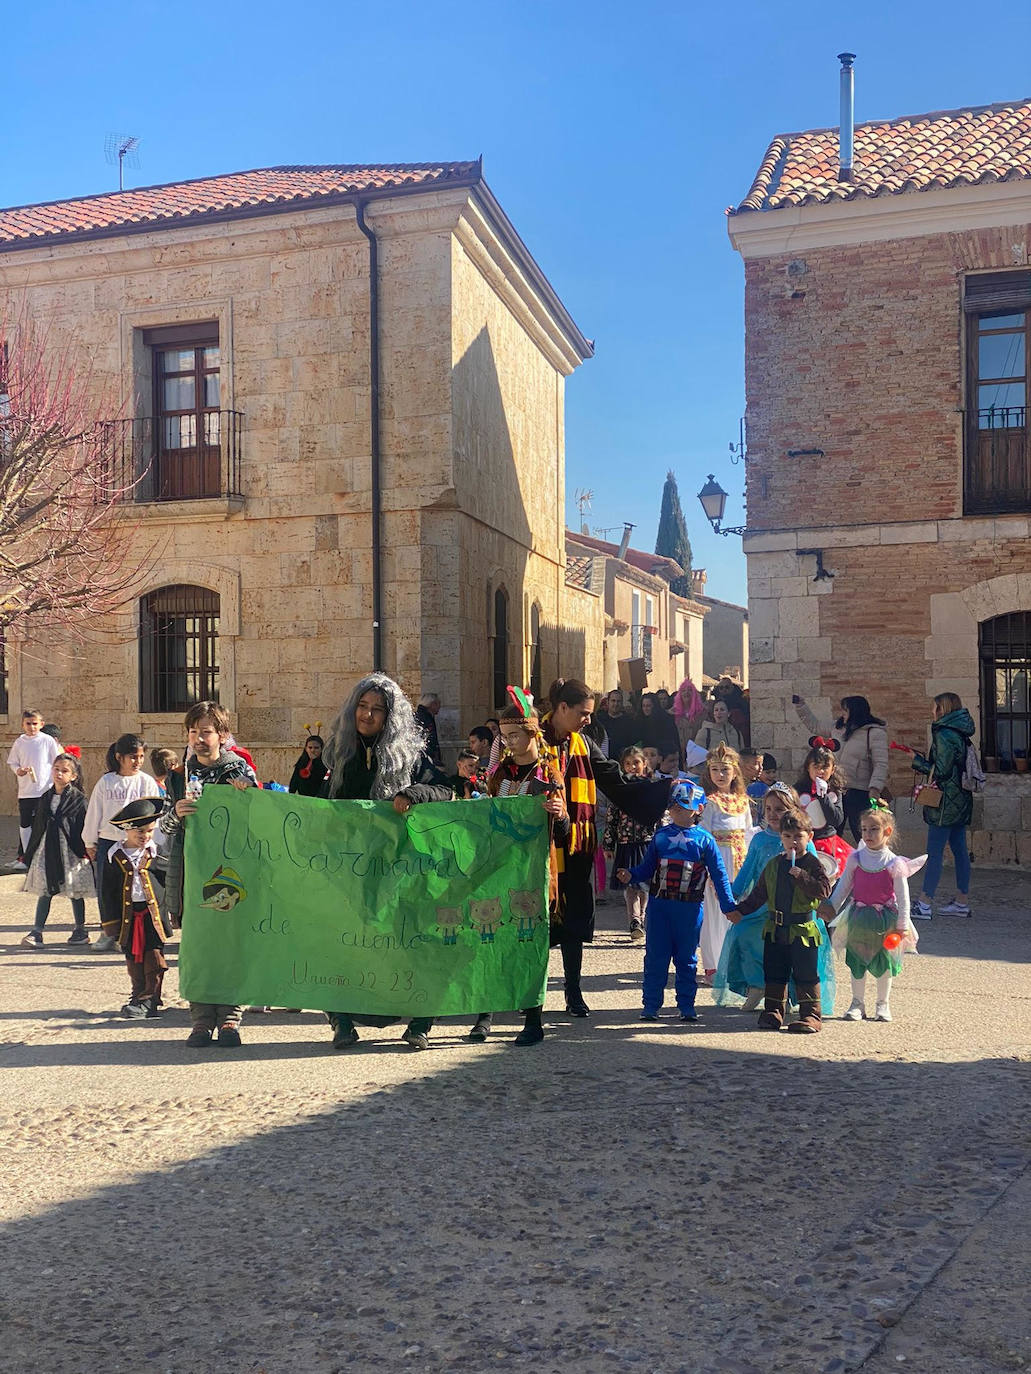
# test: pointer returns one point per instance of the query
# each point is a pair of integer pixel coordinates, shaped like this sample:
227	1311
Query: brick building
233	317
886	344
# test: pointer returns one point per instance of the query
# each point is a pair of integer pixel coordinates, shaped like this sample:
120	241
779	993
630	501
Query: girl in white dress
727	815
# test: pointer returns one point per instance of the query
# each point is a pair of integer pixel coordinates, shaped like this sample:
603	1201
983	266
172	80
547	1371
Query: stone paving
676	1200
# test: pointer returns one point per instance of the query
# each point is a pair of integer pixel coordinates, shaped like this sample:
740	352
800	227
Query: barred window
1005	651
178	648
3	671
500	649
536	667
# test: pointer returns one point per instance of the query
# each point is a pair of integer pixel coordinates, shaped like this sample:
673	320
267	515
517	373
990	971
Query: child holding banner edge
208	729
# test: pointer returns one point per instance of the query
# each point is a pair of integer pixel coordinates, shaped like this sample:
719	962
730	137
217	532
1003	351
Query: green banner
347	906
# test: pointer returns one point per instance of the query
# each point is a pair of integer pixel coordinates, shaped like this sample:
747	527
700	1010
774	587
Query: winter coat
67	822
947	759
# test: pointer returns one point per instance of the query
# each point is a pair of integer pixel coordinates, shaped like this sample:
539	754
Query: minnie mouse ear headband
688	795
818	742
523	700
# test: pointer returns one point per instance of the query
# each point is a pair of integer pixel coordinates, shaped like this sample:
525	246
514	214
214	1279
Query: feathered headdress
523	700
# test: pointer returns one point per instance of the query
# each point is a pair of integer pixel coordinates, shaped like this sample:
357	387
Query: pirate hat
140	812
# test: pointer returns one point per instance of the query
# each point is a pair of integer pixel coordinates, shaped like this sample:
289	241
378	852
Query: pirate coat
116	889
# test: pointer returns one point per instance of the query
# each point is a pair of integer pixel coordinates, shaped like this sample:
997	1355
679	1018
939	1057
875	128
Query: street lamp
714	502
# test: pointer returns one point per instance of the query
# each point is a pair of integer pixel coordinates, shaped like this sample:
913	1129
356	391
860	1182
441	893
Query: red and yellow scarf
572	758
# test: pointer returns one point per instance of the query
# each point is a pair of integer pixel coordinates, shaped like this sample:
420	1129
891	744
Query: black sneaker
689	1016
416	1040
198	1038
229	1038
344	1033
481	1030
34	940
79	936
135	1011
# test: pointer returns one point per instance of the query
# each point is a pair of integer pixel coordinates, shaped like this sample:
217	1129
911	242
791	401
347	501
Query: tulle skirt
741	964
860	931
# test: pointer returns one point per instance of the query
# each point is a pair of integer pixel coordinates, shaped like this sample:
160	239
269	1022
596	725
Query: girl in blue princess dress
739	979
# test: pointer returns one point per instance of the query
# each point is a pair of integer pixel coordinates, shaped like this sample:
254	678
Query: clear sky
614	136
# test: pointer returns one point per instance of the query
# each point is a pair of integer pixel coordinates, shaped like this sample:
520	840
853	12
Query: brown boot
772	1015
809	1018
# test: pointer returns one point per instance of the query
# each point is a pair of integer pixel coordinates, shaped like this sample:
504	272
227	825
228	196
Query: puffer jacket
946	759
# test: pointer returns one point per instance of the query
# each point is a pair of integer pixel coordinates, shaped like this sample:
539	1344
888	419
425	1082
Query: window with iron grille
178	648
3	671
997	467
536	656
1005	652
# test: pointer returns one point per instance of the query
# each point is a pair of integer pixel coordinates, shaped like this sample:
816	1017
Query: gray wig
399	748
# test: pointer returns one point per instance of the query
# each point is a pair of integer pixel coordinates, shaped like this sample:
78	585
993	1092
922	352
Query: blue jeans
937	837
43	910
672	932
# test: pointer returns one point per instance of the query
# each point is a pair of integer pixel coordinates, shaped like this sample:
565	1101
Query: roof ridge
243	172
997	107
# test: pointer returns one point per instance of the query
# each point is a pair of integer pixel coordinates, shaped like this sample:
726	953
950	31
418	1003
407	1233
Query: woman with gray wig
376	751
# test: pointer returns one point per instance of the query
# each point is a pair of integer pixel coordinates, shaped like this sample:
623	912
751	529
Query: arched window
178	648
1004	645
536	669
500	656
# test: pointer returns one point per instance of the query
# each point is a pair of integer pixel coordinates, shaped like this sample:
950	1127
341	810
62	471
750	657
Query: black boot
532	1032
481	1029
572	963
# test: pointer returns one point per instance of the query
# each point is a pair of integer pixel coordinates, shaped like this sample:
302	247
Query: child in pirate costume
679	861
129	889
792	885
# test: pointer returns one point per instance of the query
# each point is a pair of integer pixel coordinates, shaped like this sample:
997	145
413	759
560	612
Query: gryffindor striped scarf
572	758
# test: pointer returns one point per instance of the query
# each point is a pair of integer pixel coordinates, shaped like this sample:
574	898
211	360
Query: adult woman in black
377	751
585	770
656	728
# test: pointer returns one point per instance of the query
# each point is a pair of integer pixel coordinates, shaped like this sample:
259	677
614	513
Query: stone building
305	524
889	464
724	636
643	618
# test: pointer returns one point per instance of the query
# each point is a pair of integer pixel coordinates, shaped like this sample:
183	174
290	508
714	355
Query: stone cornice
916	214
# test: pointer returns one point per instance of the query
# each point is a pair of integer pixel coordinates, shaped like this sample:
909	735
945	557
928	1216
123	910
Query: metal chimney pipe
847	120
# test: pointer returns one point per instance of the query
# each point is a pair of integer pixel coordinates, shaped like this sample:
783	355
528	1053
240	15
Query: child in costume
127	882
792	886
727	816
56	854
679	861
625	841
872	896
309	771
739	976
527	768
211	762
821	790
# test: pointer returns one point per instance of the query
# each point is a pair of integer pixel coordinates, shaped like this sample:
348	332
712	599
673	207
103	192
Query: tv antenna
583	498
122	148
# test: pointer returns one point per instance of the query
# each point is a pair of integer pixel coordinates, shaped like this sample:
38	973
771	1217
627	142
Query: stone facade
474	356
855	346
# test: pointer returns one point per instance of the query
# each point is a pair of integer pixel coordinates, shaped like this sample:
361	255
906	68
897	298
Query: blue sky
614	136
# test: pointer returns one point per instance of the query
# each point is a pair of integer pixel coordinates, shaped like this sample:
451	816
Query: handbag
930	794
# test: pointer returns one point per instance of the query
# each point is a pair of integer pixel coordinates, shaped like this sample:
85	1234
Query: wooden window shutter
992	291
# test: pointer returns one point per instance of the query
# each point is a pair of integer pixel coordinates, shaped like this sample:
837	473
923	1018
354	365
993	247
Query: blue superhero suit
677	864
741	962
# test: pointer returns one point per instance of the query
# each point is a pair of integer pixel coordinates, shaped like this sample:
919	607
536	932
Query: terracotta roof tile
892	157
216	197
579	570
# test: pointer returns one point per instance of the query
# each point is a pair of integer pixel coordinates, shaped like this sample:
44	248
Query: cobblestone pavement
675	1200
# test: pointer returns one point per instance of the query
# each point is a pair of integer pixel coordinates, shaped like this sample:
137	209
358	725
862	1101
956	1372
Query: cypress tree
672	541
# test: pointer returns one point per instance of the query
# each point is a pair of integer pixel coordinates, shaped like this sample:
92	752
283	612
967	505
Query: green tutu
864	945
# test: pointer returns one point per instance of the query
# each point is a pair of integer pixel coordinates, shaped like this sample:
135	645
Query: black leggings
855	801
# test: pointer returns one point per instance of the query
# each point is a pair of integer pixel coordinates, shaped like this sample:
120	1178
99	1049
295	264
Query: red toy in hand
893	939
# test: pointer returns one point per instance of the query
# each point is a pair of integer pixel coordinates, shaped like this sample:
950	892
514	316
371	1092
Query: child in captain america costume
678	863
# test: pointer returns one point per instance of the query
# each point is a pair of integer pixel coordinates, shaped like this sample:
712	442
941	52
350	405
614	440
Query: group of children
755	900
124	847
754	904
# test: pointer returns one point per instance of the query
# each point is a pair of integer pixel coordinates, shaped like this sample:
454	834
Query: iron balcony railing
997	462
175	457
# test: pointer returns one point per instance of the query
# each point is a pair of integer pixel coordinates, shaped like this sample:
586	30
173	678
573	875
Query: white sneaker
20	866
883	1012
105	943
921	911
954	908
856	1012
